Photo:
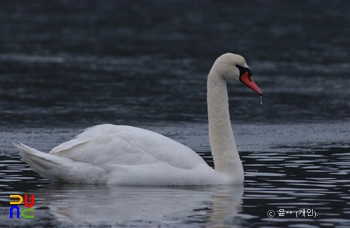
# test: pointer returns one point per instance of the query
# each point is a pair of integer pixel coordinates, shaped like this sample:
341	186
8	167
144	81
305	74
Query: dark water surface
65	66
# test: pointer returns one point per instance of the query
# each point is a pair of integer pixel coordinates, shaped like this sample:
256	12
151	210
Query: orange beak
248	81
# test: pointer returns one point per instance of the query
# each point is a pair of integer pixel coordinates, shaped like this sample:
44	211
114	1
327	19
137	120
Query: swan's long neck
222	141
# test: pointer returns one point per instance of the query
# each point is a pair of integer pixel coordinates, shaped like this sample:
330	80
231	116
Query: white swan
125	155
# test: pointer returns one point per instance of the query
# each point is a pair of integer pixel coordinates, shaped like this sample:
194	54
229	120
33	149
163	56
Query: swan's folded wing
86	136
68	145
124	145
102	145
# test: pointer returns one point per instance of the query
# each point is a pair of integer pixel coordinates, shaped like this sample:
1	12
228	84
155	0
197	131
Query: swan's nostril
250	77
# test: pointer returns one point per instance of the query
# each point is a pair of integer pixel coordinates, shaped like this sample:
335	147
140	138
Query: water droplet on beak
261	99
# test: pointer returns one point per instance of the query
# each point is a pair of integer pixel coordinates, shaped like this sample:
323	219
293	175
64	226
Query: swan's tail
60	169
40	162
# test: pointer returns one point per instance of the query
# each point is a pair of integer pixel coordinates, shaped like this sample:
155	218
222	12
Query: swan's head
233	67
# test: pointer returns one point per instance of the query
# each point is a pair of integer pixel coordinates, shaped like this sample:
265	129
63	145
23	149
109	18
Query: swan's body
125	155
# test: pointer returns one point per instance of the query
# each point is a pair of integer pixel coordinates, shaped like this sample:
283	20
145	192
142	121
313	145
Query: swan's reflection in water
210	205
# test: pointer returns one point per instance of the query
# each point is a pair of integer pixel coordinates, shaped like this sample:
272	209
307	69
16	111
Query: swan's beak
248	81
